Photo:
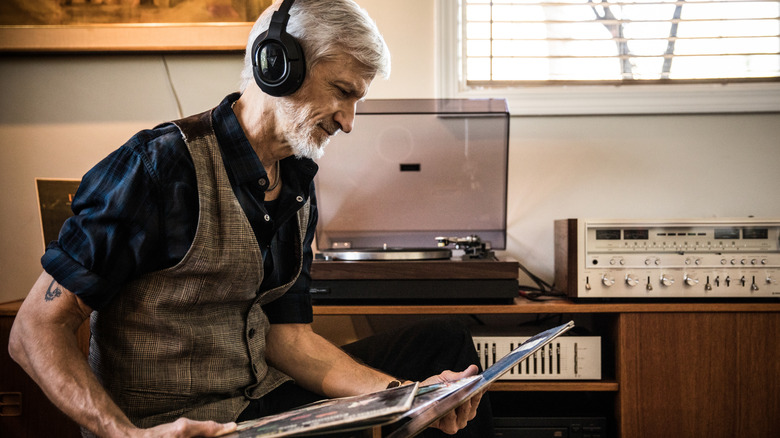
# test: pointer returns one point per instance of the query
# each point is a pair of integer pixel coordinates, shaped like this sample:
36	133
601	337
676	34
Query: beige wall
60	114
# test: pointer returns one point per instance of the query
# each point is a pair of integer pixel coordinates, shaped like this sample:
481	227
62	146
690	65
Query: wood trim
202	37
566	255
546	386
524	306
10	308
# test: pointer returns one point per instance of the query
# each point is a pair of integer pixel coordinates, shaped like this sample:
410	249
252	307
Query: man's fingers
186	428
460	416
447	424
451	376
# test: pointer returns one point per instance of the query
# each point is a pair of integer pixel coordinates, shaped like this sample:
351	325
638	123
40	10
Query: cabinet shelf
525	306
548	386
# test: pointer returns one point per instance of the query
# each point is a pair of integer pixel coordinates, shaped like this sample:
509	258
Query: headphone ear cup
278	63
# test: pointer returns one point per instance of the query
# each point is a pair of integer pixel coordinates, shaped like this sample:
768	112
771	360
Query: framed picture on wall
54	201
126	25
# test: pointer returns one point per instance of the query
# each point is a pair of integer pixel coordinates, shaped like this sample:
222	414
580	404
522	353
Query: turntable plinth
417	281
414	270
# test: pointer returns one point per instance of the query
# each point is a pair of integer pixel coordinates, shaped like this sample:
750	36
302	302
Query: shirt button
299	198
267	218
251	333
262	182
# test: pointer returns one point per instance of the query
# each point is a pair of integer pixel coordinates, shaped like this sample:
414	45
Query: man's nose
345	117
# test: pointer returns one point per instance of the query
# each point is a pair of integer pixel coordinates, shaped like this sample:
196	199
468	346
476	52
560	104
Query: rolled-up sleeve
117	231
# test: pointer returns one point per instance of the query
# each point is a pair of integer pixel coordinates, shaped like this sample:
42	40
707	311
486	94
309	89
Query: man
190	252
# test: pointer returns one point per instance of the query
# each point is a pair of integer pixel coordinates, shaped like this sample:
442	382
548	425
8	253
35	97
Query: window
729	47
624	40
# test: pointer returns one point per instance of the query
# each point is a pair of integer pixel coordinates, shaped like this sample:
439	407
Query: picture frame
54	201
127	25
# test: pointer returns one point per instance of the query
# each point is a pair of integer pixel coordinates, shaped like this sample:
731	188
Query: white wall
636	167
60	114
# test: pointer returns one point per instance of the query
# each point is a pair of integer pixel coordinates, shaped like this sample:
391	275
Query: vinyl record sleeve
418	406
333	415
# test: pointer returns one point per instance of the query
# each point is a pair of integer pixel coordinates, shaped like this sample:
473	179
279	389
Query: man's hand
186	428
457	419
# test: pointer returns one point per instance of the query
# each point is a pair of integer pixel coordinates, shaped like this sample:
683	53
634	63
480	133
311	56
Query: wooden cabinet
25	411
699	374
670	369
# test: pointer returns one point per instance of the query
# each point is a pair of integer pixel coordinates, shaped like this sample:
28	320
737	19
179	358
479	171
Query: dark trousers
414	352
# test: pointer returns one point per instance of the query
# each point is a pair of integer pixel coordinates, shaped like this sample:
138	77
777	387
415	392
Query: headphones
277	58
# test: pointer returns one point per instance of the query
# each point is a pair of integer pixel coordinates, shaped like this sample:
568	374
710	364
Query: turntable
411	172
403	254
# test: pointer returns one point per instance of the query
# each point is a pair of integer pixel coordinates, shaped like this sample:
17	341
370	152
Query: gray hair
325	29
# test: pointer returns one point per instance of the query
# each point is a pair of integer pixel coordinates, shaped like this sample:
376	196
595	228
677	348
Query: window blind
509	42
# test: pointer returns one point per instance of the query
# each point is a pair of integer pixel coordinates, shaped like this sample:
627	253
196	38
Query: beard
307	139
308	148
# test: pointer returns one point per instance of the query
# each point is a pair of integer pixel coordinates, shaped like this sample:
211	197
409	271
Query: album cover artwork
338	414
414	407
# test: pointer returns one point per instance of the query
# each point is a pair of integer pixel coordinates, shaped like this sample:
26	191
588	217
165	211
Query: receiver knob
607	281
666	281
631	281
690	280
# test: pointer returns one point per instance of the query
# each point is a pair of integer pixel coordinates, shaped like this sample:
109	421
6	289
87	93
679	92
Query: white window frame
726	97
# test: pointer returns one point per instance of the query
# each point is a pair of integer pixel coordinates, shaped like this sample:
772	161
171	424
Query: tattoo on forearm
53	291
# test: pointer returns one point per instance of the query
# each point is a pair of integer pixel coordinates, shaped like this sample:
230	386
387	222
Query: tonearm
473	246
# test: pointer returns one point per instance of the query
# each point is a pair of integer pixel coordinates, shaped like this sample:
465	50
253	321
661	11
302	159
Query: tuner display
611	234
636	234
755	233
727	233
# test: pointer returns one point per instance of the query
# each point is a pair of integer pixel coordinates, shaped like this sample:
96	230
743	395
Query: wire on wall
173	88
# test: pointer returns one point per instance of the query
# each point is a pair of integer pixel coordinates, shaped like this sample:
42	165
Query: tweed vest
189	341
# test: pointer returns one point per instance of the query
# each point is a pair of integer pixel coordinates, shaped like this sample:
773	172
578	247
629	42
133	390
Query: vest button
262	182
299	198
267	218
251	333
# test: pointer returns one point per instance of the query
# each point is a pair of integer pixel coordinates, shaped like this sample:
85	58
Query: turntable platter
387	254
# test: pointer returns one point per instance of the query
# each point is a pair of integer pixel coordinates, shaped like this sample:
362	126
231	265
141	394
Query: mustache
331	128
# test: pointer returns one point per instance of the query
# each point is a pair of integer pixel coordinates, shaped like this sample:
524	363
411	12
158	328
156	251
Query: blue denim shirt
137	211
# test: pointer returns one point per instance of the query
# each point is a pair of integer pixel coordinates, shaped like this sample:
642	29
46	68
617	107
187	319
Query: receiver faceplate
687	258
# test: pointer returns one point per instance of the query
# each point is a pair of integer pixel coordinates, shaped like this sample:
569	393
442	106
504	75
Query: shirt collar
241	161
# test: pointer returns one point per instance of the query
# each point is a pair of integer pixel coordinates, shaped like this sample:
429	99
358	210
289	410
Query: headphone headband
284	8
277	58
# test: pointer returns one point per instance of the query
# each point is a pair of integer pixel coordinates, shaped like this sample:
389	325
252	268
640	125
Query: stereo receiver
668	259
